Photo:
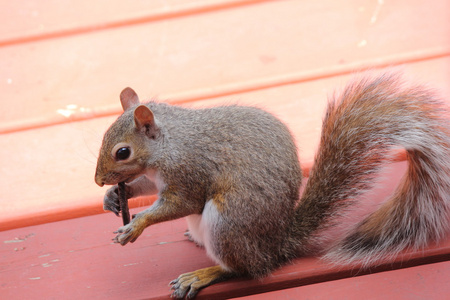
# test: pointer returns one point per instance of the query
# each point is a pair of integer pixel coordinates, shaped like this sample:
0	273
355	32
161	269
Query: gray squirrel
234	173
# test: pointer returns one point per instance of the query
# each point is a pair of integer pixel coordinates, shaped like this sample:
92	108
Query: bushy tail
361	127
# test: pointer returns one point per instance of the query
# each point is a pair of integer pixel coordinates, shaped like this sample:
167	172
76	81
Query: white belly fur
202	227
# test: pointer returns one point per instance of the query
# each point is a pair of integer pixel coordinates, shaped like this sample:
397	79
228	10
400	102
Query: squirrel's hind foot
191	239
189	284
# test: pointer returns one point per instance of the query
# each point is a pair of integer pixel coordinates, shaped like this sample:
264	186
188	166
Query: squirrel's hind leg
191	239
195	233
189	284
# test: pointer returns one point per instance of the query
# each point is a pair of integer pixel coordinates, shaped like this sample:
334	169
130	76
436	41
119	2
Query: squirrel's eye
123	153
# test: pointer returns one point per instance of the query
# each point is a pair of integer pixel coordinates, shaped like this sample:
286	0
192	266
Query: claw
192	293
130	232
175	286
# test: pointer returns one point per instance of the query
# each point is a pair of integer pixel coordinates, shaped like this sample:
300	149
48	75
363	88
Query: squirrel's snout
99	183
98	180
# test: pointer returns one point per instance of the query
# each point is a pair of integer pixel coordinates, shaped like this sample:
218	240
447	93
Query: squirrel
234	173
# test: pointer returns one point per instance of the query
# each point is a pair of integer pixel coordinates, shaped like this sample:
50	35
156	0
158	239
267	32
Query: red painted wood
37	20
76	74
75	259
60	75
422	282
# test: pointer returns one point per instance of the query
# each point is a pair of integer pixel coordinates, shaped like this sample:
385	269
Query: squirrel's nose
98	180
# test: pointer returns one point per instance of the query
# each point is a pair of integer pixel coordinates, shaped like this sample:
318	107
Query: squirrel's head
127	144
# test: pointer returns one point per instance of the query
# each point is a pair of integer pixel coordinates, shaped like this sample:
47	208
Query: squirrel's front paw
130	232
111	200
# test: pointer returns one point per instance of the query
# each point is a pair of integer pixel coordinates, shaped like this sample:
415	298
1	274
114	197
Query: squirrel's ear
128	98
144	118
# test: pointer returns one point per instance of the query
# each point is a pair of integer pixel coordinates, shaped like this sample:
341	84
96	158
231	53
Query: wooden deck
62	67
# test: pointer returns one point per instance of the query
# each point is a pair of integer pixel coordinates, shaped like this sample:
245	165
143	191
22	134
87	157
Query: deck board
189	57
421	282
61	71
38	20
88	265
